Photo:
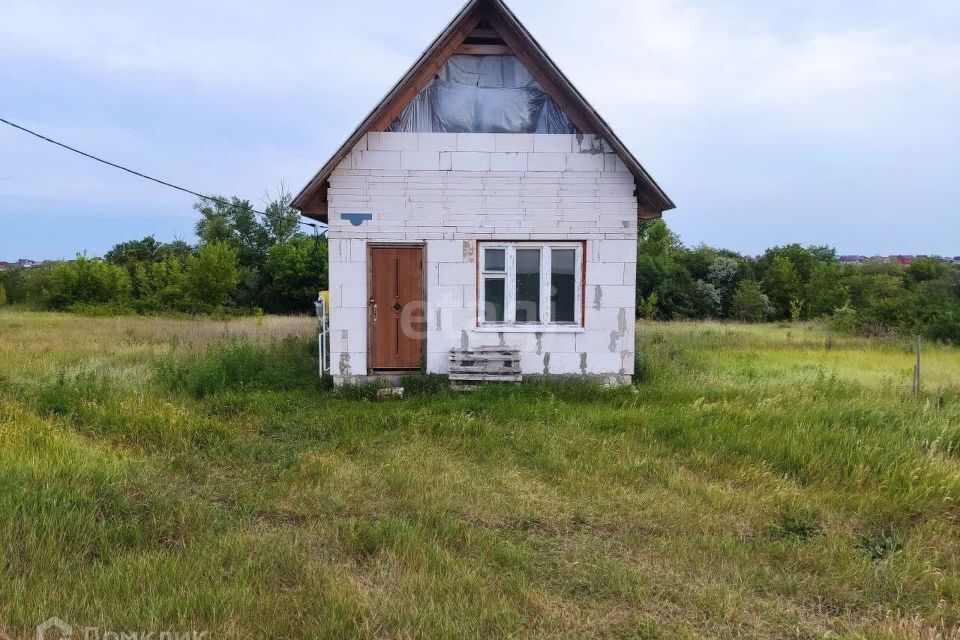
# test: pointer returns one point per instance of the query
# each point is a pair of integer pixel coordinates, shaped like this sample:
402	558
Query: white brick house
483	203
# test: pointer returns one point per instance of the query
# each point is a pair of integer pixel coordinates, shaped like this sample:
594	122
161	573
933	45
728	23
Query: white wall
450	190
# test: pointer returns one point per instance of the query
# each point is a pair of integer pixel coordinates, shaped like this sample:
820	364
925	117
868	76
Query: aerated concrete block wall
450	190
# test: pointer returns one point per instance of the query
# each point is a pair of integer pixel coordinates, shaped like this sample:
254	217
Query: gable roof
652	199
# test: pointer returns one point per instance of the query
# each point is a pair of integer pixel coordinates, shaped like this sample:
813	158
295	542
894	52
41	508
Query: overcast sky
810	121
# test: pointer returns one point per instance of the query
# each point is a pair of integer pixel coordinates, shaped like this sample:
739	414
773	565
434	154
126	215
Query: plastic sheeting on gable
483	94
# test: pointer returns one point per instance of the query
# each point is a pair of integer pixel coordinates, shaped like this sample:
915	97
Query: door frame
423	300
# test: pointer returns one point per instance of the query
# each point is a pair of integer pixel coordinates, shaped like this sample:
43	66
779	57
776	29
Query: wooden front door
396	313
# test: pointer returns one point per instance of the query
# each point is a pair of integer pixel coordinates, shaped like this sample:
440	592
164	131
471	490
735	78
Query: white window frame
509	276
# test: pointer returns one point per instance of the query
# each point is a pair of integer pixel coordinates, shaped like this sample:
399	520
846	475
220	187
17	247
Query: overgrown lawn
756	481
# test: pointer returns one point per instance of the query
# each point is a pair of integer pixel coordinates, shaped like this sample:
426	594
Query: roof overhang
652	200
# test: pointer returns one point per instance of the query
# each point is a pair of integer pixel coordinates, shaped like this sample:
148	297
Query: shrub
943	324
845	320
81	281
750	303
3	295
647	306
796	309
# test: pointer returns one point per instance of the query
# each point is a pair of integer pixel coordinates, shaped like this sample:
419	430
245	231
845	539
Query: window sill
530	328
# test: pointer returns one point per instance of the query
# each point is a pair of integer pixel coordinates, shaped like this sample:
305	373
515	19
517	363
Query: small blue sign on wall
356	219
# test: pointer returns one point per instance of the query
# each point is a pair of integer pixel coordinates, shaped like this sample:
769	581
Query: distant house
22	263
852	259
483	203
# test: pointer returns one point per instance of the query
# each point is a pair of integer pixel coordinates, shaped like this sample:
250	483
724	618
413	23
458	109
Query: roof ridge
649	194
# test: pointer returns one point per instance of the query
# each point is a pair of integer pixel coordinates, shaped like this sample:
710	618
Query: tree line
243	263
792	282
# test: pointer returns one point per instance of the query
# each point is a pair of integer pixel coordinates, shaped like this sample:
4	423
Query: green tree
705	301
882	268
697	261
803	259
725	274
656	239
137	256
234	222
282	220
677	294
827	290
934	308
952	282
296	270
822	253
21	283
162	286
924	269
177	249
212	274
651	272
655	248
230	221
662	270
782	284
881	300
750	303
131	253
3	295
682	282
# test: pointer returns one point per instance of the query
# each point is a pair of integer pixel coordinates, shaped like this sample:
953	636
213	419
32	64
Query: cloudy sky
815	121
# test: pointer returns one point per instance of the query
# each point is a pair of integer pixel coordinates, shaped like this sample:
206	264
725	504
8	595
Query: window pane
493	296
528	285
493	260
563	283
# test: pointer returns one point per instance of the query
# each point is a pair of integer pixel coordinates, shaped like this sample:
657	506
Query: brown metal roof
312	199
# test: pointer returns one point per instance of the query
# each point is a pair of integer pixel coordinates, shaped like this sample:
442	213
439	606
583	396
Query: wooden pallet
483	364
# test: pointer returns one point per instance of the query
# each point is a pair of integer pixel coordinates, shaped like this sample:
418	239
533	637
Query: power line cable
219	201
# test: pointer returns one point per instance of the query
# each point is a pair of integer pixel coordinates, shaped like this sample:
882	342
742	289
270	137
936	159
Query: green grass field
756	482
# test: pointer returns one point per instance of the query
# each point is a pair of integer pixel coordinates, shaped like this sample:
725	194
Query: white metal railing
323	337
